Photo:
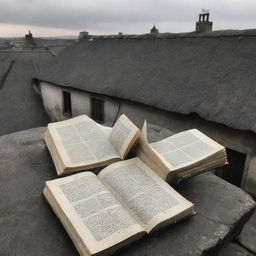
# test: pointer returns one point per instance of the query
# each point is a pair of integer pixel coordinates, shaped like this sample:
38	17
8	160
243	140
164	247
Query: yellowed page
106	130
96	216
148	197
58	161
149	156
189	172
185	148
123	135
78	242
80	141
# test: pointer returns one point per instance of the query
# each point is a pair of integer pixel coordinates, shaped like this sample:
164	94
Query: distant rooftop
167	35
212	74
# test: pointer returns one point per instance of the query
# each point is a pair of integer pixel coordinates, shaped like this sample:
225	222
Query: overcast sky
68	17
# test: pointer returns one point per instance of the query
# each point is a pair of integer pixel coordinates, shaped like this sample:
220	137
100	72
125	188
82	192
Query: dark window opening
97	109
67	110
233	171
36	86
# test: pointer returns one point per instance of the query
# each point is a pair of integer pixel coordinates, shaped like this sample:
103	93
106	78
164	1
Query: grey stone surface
29	226
234	249
247	237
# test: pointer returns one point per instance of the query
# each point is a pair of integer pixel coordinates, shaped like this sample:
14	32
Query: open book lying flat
124	202
182	155
80	143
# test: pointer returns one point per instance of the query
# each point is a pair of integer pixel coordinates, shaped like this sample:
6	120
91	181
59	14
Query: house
204	80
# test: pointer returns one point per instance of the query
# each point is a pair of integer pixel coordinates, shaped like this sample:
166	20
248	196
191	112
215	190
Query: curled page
149	156
123	135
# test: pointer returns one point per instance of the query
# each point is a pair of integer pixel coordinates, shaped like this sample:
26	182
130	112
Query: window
233	172
97	109
67	110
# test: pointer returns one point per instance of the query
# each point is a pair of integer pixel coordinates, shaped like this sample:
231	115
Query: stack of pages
182	155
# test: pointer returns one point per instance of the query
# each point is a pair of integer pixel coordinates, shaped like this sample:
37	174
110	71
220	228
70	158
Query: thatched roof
20	107
4	70
212	74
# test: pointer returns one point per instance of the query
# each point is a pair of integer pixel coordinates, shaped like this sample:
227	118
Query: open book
80	143
182	155
105	212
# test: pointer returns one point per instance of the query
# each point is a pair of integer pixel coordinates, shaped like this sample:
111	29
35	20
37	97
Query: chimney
204	25
83	35
154	30
29	40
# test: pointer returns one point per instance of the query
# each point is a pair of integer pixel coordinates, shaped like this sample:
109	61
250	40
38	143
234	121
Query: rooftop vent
204	25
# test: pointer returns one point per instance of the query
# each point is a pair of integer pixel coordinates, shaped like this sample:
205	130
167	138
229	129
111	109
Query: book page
149	156
106	130
209	165
97	217
80	141
186	148
148	197
123	135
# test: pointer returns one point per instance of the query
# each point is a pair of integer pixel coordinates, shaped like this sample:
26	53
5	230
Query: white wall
80	103
52	100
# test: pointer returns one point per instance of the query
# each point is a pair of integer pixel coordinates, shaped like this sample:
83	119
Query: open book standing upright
105	212
80	143
182	155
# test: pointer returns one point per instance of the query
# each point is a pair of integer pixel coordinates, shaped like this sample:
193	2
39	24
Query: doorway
233	172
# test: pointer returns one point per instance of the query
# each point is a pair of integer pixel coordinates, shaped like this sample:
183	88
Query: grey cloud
116	15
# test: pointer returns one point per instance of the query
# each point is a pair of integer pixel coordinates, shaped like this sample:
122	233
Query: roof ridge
168	35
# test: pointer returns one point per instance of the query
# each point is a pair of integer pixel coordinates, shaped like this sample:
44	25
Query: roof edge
168	35
145	104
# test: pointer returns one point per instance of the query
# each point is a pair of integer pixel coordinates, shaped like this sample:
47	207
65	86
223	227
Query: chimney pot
203	24
154	30
29	40
83	35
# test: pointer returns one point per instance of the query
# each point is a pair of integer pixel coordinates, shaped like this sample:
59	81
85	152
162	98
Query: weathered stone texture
29	226
247	237
234	249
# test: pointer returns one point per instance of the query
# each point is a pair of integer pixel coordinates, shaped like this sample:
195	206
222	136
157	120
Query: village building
204	80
